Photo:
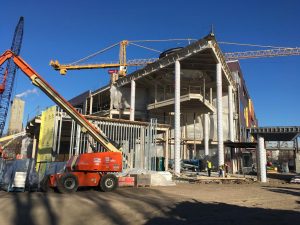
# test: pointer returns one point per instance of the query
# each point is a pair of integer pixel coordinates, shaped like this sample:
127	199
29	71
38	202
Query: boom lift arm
38	81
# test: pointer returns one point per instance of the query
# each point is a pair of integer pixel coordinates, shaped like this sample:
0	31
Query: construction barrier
18	175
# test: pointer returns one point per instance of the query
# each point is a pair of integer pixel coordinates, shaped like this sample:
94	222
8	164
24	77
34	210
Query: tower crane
123	63
262	53
8	77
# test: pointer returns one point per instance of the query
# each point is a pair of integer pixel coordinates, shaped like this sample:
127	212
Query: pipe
206	135
230	112
220	115
262	159
177	118
132	100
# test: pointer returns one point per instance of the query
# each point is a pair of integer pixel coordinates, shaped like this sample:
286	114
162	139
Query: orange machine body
90	167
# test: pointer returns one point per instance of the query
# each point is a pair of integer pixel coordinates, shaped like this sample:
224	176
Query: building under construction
188	102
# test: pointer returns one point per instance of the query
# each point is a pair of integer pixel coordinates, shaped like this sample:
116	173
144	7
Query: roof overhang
192	55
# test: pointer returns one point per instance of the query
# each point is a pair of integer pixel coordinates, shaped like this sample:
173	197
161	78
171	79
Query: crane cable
94	54
251	45
166	40
141	46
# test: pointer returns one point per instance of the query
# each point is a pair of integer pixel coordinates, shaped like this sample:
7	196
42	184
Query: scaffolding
138	141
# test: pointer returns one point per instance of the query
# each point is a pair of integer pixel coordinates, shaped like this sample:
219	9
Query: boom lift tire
44	185
68	183
108	182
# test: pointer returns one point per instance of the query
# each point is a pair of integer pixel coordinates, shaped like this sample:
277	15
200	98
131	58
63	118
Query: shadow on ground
144	206
284	177
284	190
24	204
198	213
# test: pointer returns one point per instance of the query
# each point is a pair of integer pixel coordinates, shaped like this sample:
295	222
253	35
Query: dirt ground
223	204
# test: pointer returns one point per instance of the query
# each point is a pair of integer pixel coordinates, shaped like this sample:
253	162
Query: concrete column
203	90
34	143
155	92
220	115
206	135
177	134
132	100
91	105
183	137
167	150
85	107
262	159
230	112
142	144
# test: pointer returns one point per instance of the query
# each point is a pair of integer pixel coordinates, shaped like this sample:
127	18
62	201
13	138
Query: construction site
168	140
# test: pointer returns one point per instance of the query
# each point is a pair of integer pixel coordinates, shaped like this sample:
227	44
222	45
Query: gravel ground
273	203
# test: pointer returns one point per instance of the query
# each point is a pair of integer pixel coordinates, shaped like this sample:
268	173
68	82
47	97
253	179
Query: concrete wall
16	116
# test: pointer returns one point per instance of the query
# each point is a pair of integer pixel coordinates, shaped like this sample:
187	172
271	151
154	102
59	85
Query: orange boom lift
88	169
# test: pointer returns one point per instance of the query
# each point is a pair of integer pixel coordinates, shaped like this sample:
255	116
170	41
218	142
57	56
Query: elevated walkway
190	100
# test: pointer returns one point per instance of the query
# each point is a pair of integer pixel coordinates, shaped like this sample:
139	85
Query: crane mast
8	77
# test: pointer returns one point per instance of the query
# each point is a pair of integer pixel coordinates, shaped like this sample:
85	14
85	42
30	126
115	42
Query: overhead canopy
276	133
240	144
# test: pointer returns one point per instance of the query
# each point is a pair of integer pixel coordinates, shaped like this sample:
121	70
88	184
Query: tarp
48	168
46	134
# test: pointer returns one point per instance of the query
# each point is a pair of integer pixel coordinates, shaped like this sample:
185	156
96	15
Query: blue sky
68	30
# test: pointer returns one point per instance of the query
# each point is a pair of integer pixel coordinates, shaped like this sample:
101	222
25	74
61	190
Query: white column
167	150
206	135
91	105
33	153
262	159
132	100
230	112
177	118
220	115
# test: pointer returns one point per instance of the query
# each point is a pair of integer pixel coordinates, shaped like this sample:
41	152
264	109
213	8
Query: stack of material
142	180
295	180
144	177
162	178
126	181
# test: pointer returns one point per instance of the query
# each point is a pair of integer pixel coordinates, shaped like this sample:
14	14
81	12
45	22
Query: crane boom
38	81
63	68
262	53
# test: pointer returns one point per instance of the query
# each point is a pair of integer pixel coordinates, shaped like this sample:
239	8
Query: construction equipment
9	75
89	169
122	64
262	53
